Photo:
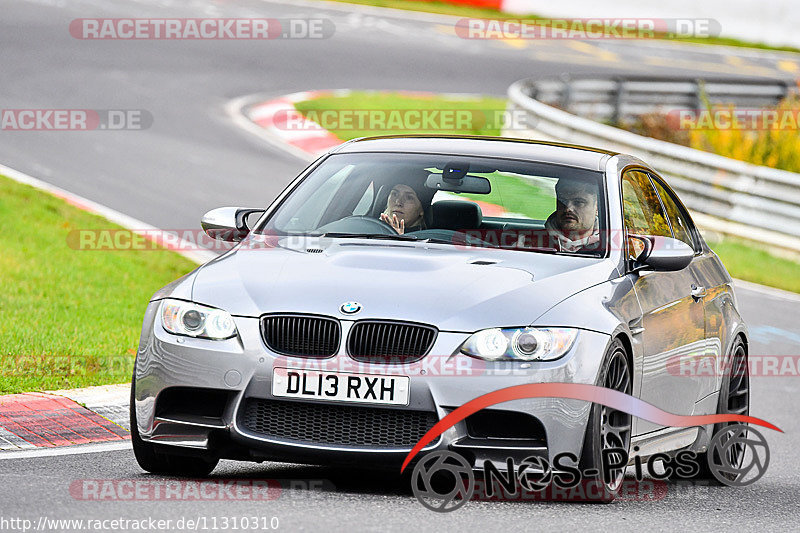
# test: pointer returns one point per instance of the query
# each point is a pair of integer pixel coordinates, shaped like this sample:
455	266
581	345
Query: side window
641	210
680	226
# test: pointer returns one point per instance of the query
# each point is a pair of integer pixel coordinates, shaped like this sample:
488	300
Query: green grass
68	317
444	8
534	199
482	114
746	262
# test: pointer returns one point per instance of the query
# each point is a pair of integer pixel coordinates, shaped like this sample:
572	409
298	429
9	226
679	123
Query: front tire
608	428
160	463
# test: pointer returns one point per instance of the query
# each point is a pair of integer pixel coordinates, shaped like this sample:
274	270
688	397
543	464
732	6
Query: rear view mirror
662	254
228	224
455	183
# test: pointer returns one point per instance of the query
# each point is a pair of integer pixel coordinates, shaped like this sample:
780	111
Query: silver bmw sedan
397	278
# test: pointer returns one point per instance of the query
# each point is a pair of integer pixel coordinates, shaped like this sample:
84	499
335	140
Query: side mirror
228	223
662	254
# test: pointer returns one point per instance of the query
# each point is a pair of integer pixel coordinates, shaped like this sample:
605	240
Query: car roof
474	145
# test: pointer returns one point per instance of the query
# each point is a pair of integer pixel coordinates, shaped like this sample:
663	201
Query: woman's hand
398	225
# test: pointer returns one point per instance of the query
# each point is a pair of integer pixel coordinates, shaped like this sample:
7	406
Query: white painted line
67	450
198	256
11	441
771	292
272	118
262	107
234	109
99	396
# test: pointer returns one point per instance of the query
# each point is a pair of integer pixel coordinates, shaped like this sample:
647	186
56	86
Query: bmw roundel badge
350	308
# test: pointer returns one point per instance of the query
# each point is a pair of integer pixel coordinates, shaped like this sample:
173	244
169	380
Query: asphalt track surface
194	158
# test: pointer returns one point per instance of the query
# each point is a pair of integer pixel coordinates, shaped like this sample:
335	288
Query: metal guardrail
757	202
626	97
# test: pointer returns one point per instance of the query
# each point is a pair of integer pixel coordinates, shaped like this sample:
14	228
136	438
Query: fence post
618	97
566	94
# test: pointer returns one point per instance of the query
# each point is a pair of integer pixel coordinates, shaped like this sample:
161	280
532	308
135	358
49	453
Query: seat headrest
456	215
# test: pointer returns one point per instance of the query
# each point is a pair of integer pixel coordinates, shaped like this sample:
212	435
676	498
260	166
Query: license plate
345	387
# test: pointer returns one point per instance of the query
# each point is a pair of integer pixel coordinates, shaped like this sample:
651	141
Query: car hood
455	289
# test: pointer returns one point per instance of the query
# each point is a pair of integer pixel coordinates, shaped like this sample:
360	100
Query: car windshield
458	200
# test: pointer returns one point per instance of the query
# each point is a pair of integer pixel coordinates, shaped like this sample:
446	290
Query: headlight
194	320
520	344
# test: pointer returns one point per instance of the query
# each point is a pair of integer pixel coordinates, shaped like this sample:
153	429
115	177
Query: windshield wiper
369	236
477	243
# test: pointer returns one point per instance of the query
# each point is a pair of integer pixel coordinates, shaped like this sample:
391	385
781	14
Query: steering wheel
358	224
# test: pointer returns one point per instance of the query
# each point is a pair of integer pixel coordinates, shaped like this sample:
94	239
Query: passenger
574	225
404	210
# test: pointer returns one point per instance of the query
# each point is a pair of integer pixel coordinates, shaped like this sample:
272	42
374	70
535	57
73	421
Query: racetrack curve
194	158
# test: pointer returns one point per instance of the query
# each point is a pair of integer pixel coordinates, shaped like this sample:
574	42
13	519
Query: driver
404	211
574	225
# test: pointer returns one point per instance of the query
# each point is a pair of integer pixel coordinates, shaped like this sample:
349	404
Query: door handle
698	292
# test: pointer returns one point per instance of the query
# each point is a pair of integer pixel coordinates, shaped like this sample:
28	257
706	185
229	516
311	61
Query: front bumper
232	371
